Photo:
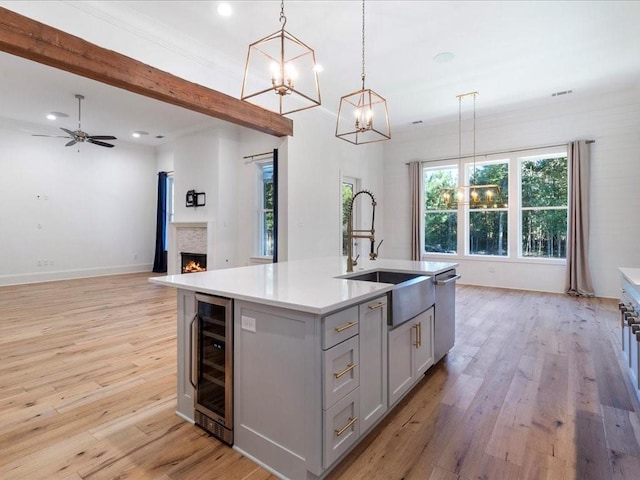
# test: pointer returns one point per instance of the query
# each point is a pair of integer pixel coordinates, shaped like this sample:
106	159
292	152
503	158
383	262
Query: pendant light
475	195
281	73
363	115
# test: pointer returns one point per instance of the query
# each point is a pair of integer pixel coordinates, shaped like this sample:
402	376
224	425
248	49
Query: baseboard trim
25	278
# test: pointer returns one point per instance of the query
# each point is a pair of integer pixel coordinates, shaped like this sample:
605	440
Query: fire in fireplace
193	262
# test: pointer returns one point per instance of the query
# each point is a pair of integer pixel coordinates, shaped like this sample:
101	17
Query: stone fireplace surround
194	237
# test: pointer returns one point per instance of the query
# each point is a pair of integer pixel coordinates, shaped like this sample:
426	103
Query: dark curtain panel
160	260
275	205
578	277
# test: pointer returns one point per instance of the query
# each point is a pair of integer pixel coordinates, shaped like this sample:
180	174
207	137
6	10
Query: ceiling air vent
563	92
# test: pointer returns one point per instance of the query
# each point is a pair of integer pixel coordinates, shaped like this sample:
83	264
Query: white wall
68	214
312	164
317	161
612	119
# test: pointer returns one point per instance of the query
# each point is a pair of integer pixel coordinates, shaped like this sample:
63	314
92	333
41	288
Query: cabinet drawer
339	326
341	427
341	371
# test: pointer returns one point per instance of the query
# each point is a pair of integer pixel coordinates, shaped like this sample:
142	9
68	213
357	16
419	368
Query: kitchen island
315	363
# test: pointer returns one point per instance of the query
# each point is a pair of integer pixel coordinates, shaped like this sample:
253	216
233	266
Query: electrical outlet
249	324
39	263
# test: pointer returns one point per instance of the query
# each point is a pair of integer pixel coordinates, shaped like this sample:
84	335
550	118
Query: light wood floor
533	389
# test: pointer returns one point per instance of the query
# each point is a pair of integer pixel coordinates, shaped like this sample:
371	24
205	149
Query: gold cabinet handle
350	367
346	326
419	334
340	431
417	344
376	305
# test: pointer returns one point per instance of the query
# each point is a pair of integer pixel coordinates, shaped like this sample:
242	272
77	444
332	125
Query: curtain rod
258	155
497	153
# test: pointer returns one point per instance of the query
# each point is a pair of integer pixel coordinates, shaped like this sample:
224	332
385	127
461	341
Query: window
543	214
440	221
265	213
349	188
168	210
530	222
488	228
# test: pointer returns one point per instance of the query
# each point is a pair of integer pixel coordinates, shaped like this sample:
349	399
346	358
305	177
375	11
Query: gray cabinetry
185	391
410	353
373	362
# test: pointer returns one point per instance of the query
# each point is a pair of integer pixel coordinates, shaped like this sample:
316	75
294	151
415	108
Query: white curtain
416	200
578	277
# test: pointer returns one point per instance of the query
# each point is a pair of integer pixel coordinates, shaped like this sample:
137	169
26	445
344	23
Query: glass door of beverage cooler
214	372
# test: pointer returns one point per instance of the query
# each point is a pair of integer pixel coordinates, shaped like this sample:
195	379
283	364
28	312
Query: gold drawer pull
350	367
417	344
377	305
340	431
346	326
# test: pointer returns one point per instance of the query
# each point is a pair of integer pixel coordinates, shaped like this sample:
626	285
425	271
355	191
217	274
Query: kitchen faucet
351	233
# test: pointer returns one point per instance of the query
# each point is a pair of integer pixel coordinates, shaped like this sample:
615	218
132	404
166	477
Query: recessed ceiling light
139	133
444	57
55	115
224	9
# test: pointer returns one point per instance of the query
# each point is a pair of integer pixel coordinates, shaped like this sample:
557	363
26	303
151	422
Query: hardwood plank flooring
534	390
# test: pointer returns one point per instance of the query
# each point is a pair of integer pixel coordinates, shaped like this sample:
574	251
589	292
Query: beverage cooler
212	365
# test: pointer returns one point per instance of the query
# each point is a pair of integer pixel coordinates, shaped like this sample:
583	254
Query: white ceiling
515	54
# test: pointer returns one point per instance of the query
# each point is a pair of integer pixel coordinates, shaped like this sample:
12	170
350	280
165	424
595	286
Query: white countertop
306	285
632	275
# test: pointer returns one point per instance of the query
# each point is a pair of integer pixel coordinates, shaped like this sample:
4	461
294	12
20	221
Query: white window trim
260	210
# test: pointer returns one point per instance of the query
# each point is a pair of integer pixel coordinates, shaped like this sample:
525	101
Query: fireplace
193	262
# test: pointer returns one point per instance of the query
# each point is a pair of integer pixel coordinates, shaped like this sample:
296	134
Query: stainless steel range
630	323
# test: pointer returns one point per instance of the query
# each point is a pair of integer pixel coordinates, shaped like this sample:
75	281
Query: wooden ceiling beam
24	37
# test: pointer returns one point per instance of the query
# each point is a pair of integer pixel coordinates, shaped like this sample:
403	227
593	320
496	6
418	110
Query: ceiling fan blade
50	136
67	131
102	137
72	142
102	144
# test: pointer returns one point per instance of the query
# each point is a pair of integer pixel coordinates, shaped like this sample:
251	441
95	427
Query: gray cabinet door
373	361
401	342
186	313
423	354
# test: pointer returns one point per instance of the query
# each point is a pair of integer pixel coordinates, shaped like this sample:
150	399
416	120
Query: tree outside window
539	203
488	227
348	188
266	210
544	206
440	220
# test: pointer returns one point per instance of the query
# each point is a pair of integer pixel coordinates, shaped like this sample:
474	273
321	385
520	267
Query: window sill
260	260
492	258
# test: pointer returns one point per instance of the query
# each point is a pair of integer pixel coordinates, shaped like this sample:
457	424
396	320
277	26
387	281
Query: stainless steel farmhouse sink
412	293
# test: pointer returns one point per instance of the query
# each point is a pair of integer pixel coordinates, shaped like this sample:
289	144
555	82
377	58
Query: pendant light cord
282	19
362	44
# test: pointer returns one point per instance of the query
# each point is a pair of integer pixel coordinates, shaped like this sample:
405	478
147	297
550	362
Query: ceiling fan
79	136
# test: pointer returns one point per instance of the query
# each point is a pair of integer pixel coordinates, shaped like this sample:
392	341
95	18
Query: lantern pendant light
363	116
281	73
475	195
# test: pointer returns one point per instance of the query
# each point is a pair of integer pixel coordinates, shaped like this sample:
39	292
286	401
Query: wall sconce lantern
195	199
